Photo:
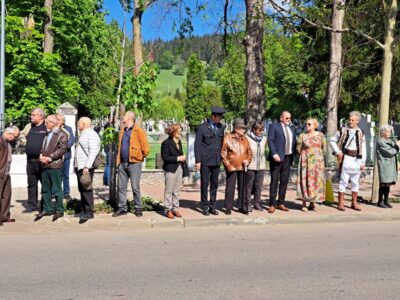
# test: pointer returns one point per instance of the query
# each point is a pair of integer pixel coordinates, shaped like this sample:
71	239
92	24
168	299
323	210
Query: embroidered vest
344	137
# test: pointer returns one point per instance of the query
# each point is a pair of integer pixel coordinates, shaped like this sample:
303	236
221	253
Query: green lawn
168	82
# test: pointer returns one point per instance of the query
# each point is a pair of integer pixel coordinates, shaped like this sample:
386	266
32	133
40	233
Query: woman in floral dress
311	173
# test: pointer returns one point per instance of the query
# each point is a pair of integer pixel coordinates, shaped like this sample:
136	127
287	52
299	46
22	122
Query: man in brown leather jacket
51	157
236	155
5	180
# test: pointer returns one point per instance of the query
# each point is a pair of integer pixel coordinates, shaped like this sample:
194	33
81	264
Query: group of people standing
243	156
48	143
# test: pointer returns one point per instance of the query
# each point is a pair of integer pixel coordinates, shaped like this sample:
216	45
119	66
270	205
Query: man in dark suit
207	149
282	145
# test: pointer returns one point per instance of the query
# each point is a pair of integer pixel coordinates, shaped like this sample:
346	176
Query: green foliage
167	60
212	96
137	91
211	70
33	79
178	70
109	136
195	108
148	204
169	108
230	77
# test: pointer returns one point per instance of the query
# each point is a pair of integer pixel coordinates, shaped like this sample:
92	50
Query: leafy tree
230	77
212	96
170	108
179	70
211	70
167	60
195	108
33	78
137	91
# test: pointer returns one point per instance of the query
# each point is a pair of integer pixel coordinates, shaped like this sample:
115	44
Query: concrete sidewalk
191	211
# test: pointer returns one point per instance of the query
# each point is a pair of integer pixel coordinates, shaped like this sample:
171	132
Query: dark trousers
65	170
280	172
5	197
51	183
231	178
107	170
254	182
87	200
209	176
33	172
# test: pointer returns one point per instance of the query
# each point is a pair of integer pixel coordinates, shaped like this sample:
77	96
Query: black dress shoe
41	215
243	211
1	223
257	206
58	215
214	212
85	217
206	212
138	213
119	213
228	212
29	210
387	204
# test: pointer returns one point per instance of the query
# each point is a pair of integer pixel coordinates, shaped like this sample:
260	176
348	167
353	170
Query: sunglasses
288	118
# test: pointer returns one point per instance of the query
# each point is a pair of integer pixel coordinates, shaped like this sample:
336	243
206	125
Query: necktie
287	145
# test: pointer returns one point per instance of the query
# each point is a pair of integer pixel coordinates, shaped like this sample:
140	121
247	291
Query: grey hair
355	113
9	129
131	115
39	111
385	128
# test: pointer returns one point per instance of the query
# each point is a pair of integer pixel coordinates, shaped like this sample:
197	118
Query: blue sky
156	23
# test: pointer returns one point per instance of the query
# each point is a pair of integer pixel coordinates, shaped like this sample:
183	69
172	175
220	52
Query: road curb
154	220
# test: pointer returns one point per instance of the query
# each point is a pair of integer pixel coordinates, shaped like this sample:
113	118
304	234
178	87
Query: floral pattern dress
311	171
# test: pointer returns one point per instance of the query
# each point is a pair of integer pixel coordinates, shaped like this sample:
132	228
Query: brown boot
169	214
354	205
340	201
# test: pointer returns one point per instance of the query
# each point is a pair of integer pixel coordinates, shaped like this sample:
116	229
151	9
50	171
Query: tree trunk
335	67
254	71
386	79
48	43
137	37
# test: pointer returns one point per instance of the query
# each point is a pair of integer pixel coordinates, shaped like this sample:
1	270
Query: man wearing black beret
207	149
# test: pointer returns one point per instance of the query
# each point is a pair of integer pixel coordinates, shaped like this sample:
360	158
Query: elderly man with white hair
386	154
86	150
349	146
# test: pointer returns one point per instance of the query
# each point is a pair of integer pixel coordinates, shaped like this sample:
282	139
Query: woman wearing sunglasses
311	179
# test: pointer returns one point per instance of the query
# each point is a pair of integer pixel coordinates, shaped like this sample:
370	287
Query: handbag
100	160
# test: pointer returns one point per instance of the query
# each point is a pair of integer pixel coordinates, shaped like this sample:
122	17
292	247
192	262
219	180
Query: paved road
306	261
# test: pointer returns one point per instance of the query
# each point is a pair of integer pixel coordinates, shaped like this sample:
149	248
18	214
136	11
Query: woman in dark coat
175	169
386	154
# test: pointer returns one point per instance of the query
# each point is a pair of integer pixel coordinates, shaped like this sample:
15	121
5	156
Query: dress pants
33	172
65	170
130	171
231	178
254	182
5	197
87	200
280	172
51	183
173	186
209	177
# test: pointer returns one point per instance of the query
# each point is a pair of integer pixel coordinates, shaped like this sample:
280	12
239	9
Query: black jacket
208	143
169	154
